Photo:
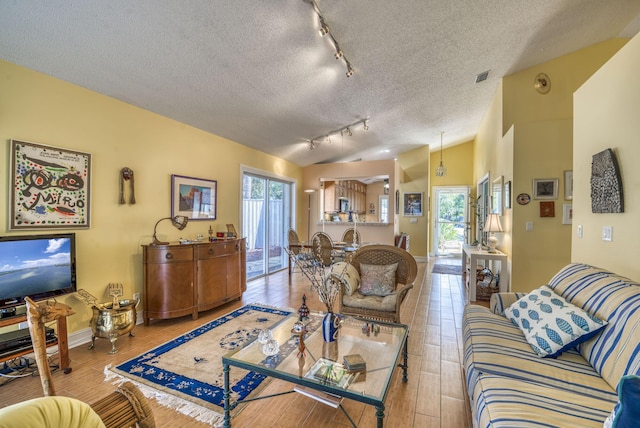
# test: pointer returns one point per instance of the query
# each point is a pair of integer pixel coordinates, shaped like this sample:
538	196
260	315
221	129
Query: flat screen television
38	266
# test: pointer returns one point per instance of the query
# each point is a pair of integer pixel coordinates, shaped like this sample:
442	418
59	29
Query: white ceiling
258	73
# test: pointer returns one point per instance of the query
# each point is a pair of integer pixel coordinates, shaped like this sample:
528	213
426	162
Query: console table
184	279
471	255
61	333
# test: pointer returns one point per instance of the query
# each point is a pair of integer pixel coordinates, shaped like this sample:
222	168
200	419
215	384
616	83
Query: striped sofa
510	386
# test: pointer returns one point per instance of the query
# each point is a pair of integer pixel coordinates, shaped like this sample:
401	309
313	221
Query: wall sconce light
492	225
179	222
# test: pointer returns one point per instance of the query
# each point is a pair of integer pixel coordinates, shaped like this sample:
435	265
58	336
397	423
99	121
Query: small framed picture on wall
545	188
412	204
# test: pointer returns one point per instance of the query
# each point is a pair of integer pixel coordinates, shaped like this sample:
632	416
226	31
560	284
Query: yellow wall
415	178
540	146
459	163
606	116
41	109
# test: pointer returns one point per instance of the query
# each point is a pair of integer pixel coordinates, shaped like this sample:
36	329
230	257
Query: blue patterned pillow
550	324
626	414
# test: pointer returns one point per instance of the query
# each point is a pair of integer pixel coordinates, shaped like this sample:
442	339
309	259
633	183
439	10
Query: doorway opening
451	222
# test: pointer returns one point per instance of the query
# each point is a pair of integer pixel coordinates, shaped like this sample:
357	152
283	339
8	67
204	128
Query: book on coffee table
355	363
330	373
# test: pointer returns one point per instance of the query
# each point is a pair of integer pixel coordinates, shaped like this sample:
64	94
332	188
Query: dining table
304	246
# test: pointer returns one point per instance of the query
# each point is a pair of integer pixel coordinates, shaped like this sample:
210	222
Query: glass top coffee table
380	347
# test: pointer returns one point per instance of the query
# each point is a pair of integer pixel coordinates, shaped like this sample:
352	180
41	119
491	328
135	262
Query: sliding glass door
266	216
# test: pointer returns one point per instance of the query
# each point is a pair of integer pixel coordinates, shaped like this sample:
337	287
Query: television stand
62	342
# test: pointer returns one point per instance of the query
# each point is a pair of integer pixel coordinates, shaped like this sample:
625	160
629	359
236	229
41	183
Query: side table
471	255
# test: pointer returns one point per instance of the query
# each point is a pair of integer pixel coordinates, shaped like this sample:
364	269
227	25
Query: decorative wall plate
523	198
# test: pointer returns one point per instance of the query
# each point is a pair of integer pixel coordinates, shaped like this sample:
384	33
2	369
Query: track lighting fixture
313	143
325	31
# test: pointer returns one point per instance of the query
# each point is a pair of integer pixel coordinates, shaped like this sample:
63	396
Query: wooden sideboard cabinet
186	279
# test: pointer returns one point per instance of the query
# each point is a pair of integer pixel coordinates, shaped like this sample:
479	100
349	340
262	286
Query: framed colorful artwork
194	198
412	204
50	187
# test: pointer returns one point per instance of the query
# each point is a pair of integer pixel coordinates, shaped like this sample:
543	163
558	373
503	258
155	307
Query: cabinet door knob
211	250
169	256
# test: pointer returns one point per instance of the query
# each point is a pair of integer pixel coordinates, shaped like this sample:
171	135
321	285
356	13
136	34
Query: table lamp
492	225
179	222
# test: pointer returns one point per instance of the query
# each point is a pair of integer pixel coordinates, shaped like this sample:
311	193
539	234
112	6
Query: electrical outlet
136	296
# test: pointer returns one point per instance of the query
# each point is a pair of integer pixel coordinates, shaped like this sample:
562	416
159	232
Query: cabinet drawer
217	250
169	254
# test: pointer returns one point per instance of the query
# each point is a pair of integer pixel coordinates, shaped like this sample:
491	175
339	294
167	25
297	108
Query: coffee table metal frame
396	333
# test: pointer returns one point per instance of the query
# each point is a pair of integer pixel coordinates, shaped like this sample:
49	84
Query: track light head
366	125
324	29
312	145
349	70
338	54
349	133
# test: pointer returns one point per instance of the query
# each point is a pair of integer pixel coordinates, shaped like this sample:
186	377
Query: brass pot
110	321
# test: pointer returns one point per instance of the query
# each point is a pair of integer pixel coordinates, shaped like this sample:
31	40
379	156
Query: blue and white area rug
185	373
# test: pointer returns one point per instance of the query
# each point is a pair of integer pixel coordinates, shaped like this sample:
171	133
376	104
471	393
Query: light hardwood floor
434	396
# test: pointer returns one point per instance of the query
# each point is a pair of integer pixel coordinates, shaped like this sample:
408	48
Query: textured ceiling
257	72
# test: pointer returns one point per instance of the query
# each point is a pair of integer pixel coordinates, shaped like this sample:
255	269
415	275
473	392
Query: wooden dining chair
348	234
322	248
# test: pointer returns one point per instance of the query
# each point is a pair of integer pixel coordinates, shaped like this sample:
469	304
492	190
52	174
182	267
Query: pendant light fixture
441	171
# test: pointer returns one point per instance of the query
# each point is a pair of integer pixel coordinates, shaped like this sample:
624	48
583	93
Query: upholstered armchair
379	282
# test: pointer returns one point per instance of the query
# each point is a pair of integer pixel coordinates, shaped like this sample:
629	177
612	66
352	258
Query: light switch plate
607	233
579	231
529	226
